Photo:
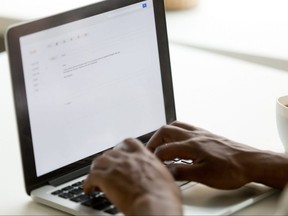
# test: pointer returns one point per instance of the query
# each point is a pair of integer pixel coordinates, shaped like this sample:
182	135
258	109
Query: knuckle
176	122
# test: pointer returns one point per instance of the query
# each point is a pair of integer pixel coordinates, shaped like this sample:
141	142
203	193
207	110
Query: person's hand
135	181
217	161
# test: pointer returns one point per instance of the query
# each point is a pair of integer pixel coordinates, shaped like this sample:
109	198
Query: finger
184	172
184	126
93	181
174	150
203	174
166	134
103	161
129	145
100	162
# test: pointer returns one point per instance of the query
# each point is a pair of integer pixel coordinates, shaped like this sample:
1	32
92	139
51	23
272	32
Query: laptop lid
84	80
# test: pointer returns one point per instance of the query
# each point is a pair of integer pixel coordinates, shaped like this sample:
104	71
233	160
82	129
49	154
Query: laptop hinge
70	176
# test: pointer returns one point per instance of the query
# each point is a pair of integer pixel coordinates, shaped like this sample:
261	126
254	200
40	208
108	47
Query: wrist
267	168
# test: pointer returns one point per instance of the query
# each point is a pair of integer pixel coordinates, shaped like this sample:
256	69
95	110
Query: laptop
83	81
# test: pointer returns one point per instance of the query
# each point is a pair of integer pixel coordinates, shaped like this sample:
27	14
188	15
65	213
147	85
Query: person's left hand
135	181
217	161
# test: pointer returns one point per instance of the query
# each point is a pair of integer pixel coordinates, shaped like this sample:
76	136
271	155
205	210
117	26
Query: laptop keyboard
76	194
98	200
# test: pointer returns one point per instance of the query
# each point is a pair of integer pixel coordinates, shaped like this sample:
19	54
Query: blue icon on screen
144	5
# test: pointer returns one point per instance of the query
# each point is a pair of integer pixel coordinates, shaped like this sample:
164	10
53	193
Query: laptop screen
91	83
86	79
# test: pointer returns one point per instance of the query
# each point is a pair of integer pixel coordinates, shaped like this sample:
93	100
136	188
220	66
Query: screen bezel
20	99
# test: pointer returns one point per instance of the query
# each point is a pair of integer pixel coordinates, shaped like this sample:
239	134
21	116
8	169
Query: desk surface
230	97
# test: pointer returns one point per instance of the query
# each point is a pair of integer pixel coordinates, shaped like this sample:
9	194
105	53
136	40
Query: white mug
282	120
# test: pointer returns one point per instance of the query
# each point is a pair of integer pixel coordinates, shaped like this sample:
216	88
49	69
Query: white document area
92	83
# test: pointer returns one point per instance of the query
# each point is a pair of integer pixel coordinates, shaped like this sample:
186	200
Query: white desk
230	97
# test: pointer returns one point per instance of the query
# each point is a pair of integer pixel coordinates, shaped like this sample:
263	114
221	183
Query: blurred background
251	30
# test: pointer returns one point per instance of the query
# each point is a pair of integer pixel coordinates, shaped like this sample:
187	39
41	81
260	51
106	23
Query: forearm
268	168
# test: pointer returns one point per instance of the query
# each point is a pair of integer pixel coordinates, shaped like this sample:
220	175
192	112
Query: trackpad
200	199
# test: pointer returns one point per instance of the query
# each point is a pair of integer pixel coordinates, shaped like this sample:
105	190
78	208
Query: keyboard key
92	201
167	162
57	192
103	205
112	210
187	161
97	200
66	195
178	161
99	203
76	191
81	198
77	184
67	188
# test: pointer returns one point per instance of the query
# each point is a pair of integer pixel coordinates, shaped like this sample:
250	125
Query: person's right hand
217	162
135	181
